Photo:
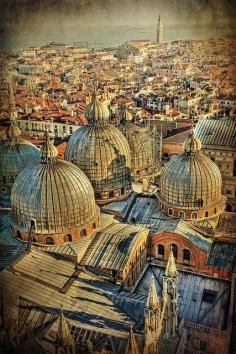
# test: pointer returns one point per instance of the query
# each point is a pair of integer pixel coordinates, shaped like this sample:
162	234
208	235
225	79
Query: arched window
228	207
33	224
83	232
97	195
174	250
111	194
215	211
181	214
186	256
194	215
94	225
71	130
206	214
49	240
122	191
18	234
67	238
170	211
160	251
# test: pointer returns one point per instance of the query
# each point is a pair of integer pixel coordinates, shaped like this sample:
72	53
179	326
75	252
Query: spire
64	338
159	18
171	270
49	151
132	347
153	299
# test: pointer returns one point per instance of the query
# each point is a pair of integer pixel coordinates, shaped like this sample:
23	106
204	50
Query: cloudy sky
25	21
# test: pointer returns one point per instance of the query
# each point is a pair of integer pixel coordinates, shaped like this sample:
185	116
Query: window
170	211
122	191
160	251
67	238
83	232
228	208
33	224
18	234
49	240
209	296
111	194
181	214
194	215
206	214
186	256
174	250
3	189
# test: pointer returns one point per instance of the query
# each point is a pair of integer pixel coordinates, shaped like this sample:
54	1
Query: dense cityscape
118	197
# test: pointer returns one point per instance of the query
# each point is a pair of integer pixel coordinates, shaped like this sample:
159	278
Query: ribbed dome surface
142	148
15	154
103	153
57	195
191	181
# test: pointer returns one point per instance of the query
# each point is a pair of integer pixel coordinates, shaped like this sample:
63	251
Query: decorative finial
171	270
153	299
49	151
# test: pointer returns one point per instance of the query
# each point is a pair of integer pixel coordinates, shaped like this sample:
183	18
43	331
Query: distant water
105	36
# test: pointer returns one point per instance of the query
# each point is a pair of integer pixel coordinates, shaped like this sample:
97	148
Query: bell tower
159	38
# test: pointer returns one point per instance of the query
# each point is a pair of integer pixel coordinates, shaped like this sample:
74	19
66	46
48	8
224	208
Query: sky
25	22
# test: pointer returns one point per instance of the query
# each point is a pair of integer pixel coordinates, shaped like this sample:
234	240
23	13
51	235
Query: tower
159	38
152	320
170	297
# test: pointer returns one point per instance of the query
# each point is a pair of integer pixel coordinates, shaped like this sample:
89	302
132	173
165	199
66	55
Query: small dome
56	196
15	154
103	153
192	144
12	132
191	181
96	111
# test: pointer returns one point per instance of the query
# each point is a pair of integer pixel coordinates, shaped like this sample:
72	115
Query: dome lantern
49	152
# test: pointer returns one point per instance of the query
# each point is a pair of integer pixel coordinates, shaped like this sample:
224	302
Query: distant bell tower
159	38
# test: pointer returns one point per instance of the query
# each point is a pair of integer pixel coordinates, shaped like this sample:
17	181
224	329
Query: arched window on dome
122	191
174	250
67	238
181	214
194	215
215	211
111	194
160	251
170	211
83	232
49	240
206	214
186	256
18	234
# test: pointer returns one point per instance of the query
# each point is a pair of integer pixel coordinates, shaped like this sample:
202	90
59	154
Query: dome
103	153
55	197
143	147
15	154
190	184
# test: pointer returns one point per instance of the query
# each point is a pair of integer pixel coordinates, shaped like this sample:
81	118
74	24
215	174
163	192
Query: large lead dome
15	154
103	153
190	184
55	199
